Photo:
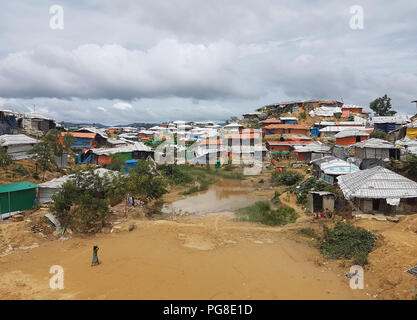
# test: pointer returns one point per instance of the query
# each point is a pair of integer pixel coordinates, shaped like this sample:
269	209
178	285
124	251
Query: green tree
382	106
410	167
5	158
231	120
82	204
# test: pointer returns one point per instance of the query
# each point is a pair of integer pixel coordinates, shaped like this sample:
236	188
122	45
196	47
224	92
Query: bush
20	170
378	134
286	177
313	184
261	212
346	241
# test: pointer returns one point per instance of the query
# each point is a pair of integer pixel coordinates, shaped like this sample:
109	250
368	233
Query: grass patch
261	212
349	242
203	184
308	232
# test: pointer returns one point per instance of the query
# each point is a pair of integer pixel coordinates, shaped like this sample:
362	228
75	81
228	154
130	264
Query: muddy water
224	196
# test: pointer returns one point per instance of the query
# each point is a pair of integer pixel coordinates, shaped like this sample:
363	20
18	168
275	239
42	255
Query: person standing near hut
95	261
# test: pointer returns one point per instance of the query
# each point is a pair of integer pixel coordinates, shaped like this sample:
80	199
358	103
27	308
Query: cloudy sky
124	61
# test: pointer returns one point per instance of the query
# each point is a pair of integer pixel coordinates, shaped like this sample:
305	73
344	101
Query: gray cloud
202	59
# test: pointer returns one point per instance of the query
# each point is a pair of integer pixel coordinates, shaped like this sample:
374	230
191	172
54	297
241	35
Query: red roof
288	143
80	134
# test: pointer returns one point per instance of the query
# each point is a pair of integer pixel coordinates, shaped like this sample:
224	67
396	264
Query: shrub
308	232
286	177
346	241
20	170
378	134
261	212
360	258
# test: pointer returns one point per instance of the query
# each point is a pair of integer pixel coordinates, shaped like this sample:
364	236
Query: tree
82	204
382	106
48	148
410	167
231	120
5	158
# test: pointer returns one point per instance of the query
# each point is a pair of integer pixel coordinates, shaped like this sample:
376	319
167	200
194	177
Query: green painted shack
17	196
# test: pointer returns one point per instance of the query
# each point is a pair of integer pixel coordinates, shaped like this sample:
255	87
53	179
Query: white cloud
123	106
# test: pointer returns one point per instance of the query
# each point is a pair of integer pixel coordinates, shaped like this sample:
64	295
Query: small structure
100	138
8	123
49	188
285	129
17	196
329	168
311	151
320	201
82	140
376	149
17	145
349	137
288	120
380	190
390	123
134	151
286	146
331	131
35	123
233	128
351	109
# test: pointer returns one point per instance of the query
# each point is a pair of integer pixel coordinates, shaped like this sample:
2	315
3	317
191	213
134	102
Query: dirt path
212	258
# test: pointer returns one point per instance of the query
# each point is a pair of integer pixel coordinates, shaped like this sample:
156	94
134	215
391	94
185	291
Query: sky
118	62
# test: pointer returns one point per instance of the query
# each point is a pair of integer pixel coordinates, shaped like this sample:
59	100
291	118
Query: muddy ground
202	256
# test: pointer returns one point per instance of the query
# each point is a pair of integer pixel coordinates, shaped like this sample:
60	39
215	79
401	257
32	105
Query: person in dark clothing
95	261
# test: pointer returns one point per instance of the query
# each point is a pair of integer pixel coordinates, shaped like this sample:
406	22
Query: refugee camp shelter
82	140
289	120
17	145
286	146
320	201
376	149
8	123
17	196
135	151
311	151
380	190
329	168
390	123
100	138
49	188
350	109
350	136
285	129
35	123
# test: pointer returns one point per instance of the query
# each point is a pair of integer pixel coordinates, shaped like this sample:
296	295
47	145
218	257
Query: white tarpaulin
393	201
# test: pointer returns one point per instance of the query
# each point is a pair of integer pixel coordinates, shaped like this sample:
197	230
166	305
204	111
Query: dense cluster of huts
333	137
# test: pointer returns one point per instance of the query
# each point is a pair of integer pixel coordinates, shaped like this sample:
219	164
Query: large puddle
224	196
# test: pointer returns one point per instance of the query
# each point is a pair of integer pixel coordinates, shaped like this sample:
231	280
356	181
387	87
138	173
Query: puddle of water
224	196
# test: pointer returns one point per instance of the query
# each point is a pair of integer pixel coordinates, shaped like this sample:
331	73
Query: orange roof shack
82	140
285	129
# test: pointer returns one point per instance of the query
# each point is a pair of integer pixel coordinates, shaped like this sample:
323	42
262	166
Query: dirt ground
212	258
209	257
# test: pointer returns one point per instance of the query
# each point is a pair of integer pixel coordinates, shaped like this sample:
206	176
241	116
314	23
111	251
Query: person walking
95	261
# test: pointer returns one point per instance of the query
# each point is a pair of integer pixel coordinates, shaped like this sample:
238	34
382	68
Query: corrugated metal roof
340	128
397	119
351	133
286	126
377	183
18	186
375	143
319	148
137	146
16	139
